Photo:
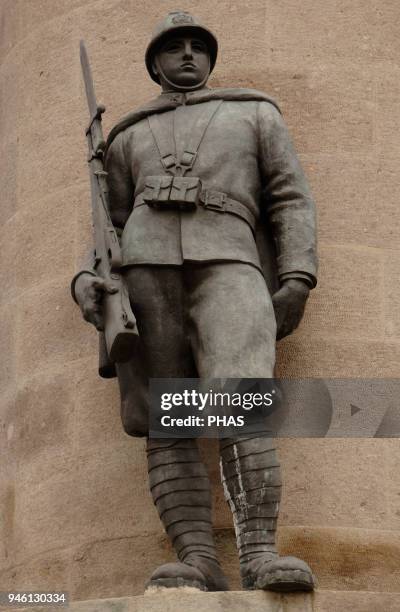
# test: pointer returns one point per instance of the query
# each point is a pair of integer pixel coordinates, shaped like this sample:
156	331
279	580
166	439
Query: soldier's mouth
188	66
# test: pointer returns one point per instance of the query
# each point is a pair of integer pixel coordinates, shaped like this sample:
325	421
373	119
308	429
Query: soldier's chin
189	79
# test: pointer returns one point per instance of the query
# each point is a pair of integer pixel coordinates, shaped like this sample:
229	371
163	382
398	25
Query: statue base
192	600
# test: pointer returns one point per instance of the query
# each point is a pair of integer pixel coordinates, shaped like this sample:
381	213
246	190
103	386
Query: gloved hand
89	292
289	303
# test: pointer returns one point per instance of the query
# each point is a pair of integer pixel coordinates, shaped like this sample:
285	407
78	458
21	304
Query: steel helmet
183	23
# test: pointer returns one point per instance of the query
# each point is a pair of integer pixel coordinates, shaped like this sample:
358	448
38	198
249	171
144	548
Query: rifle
120	329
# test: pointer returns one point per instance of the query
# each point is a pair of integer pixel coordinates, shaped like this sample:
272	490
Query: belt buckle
215	201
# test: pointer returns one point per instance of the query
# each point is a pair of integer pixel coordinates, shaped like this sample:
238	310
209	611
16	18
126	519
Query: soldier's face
183	61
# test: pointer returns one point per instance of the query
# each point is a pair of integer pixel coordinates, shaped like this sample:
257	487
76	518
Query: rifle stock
120	329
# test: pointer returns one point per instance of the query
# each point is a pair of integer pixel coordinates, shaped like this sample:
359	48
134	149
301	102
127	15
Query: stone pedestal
191	600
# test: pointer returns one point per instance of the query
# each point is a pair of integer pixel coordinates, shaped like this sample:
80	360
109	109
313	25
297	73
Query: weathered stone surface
77	505
391	450
8	25
339	114
347	558
32	20
356	601
356	199
8	460
44	135
47	572
319	357
50	329
385	200
388	99
7	334
97	420
38	229
7	521
391	298
391	365
330	358
9	93
9	170
117	567
8	256
351	491
358	30
42	425
335	309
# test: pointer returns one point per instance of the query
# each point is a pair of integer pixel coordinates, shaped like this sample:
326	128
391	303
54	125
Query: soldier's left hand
289	303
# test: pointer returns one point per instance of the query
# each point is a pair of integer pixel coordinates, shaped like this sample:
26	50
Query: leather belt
219	202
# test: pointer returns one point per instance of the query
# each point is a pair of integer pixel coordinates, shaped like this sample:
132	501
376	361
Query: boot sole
286	581
175	583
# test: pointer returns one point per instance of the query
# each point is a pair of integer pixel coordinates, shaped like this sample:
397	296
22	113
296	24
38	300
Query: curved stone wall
75	512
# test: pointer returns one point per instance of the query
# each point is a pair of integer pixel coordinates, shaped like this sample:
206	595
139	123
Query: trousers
213	320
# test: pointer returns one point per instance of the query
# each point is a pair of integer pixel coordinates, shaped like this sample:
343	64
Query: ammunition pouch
172	192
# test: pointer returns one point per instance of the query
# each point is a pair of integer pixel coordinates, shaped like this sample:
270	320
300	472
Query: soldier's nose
188	53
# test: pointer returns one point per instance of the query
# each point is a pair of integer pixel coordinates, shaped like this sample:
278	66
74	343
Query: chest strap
165	141
219	202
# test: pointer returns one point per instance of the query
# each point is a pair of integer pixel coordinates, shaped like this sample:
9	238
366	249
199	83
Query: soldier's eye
198	47
173	48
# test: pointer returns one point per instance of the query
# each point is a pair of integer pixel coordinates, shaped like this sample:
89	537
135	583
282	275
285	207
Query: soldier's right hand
89	292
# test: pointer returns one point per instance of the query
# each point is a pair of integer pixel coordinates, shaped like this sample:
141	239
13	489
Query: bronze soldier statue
193	177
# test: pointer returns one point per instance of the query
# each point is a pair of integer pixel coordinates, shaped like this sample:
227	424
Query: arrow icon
354	409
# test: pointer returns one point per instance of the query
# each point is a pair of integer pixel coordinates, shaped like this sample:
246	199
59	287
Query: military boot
181	493
251	479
